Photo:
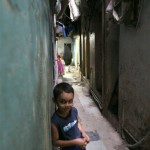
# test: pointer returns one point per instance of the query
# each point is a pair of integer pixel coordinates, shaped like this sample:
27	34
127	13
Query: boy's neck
62	115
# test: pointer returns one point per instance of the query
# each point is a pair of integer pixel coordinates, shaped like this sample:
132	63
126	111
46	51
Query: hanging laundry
60	28
74	10
124	11
57	6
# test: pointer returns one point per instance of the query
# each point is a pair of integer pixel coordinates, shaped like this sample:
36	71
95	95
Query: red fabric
60	66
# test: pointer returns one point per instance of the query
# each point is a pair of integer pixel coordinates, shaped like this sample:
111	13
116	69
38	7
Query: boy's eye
70	101
65	101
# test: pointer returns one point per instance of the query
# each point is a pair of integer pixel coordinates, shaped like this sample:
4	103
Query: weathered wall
25	79
119	68
92	59
76	51
134	81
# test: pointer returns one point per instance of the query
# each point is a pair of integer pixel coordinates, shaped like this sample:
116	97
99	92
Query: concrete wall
60	44
74	48
25	78
121	70
134	81
76	52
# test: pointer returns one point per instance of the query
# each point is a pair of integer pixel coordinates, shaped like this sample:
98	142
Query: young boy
67	132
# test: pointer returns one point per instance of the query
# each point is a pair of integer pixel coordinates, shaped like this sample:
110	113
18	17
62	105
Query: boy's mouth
67	109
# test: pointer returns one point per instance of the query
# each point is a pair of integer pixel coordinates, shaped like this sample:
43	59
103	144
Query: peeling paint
12	7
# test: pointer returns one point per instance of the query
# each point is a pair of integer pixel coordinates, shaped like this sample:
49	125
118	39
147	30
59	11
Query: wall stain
12	7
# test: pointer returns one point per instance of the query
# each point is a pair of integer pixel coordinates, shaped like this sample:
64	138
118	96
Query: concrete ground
102	134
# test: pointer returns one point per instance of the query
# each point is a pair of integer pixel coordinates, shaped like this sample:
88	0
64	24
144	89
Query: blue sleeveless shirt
68	127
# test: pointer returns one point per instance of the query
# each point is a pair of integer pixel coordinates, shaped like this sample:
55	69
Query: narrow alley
103	136
106	40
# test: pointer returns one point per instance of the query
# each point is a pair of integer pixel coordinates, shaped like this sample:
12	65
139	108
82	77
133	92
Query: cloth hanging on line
60	28
74	10
123	11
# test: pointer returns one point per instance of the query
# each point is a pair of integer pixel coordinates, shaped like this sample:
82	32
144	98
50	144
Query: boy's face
64	103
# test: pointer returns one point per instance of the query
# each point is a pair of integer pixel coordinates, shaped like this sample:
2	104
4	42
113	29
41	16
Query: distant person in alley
60	65
67	132
60	69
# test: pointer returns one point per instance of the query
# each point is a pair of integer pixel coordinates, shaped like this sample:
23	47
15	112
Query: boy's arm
64	143
83	132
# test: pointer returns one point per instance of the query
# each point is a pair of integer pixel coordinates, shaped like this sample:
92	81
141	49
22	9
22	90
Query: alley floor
100	131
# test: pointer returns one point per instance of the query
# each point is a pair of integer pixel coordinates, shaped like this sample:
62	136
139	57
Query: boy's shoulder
55	118
54	115
74	109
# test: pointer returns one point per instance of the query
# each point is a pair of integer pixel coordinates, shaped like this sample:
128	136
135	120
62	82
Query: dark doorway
68	44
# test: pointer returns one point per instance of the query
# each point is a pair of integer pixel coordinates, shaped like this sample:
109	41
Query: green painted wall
25	79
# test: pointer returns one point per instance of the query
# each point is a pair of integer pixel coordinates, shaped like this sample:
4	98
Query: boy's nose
68	104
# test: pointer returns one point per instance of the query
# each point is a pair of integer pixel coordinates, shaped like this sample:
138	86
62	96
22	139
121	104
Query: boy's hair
62	87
